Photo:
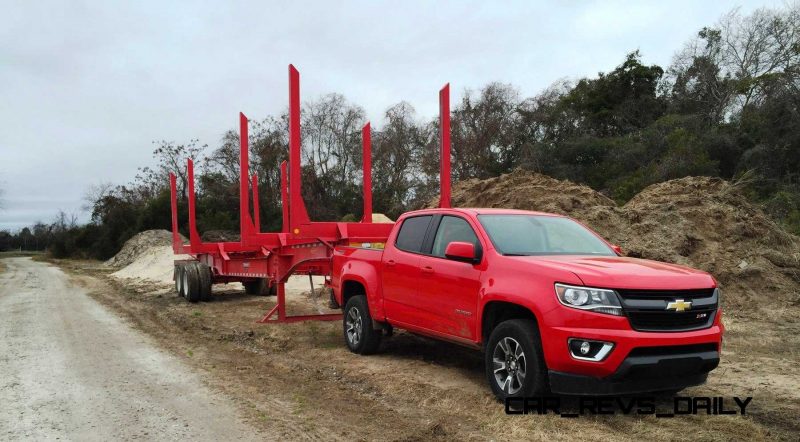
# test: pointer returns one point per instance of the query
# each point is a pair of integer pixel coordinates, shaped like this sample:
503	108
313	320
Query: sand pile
697	221
148	256
153	264
137	245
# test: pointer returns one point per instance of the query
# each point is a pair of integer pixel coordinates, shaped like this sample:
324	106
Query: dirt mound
533	191
707	223
137	245
696	221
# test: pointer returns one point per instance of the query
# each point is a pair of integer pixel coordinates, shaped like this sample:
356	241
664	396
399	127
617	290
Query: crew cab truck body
554	306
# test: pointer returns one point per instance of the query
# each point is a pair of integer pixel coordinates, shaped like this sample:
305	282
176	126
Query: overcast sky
85	87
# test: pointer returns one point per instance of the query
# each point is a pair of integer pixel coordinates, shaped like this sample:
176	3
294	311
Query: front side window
412	233
541	235
452	228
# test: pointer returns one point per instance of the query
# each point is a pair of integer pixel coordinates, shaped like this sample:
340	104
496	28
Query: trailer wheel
359	335
204	280
178	275
514	361
260	287
191	283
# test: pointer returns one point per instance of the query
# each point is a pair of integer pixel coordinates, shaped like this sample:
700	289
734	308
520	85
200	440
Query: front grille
647	309
666	294
671	321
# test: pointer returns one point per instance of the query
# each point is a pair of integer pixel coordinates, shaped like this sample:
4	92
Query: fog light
588	350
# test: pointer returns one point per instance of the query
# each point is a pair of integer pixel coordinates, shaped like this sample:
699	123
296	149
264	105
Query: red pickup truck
554	307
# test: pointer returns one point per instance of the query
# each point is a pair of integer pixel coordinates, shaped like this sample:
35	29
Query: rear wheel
359	335
514	361
204	280
191	283
179	279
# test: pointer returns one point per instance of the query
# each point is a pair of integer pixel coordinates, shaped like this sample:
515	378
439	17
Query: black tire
191	282
359	335
517	346
178	275
204	280
260	287
257	287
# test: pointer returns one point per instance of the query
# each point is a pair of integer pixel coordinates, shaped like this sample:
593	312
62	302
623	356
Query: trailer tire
514	349
178	275
191	282
204	280
260	287
359	335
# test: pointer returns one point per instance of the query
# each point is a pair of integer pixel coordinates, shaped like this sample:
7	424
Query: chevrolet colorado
554	307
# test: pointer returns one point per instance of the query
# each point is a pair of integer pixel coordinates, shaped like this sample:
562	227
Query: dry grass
299	378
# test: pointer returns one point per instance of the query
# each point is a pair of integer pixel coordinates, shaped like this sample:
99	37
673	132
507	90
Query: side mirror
460	251
617	249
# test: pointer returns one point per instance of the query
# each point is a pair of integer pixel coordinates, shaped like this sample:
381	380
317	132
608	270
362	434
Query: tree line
727	106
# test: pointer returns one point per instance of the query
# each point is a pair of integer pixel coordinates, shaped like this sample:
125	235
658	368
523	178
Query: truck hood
625	273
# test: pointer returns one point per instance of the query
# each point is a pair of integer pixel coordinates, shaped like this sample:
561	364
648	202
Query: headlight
587	298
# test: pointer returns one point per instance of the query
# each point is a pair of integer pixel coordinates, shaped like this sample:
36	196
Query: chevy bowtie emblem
679	305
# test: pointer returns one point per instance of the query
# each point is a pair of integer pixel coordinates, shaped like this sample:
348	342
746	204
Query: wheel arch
496	311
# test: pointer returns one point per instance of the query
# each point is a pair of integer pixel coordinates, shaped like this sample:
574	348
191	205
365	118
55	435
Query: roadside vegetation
727	106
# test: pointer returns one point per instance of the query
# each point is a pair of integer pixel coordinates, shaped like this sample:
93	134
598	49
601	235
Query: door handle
390	262
427	269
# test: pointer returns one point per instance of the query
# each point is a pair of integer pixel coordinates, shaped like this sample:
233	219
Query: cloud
86	87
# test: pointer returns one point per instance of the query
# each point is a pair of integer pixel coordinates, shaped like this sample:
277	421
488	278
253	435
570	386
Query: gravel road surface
70	369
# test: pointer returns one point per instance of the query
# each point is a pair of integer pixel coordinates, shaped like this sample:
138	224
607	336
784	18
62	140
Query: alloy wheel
510	365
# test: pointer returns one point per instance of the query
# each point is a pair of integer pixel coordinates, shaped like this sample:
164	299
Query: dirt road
70	369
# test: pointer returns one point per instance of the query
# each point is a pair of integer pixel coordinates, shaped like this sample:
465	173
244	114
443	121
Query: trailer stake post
366	161
284	197
444	146
245	223
297	207
256	206
177	244
194	237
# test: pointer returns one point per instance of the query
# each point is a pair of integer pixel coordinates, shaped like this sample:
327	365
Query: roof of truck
486	211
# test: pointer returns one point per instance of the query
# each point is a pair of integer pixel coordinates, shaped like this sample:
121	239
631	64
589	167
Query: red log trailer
264	261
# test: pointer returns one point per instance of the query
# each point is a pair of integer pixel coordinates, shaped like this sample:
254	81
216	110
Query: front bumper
649	369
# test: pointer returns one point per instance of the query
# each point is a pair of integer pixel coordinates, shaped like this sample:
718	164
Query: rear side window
412	233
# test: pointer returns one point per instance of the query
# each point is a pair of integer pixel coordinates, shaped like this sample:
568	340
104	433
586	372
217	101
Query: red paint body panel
446	299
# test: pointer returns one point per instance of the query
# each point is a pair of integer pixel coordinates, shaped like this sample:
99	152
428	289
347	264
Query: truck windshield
525	235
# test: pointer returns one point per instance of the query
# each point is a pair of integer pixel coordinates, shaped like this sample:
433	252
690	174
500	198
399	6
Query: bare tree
170	157
95	193
734	61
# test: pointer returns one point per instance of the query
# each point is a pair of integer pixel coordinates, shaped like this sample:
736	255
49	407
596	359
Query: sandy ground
299	381
70	369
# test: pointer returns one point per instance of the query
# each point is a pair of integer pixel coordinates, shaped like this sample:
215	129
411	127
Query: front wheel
359	335
514	361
